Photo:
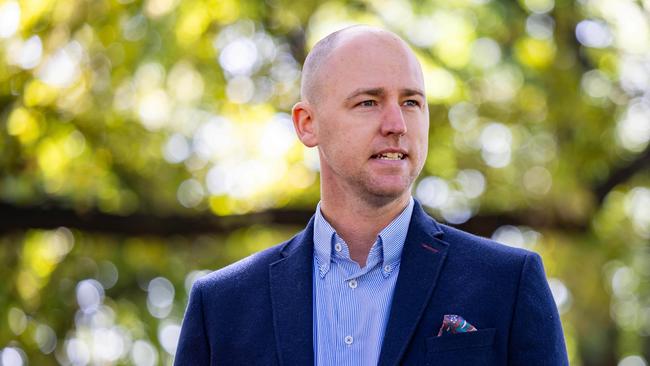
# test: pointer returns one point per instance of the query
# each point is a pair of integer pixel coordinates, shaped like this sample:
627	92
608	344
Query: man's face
372	119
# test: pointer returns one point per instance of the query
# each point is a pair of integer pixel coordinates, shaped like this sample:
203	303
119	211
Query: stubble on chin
379	194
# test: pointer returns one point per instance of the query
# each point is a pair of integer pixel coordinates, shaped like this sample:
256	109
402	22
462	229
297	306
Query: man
372	279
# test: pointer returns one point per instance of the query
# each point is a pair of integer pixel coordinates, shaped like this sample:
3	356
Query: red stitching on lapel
427	247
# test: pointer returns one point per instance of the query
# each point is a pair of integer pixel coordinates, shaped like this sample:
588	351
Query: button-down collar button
348	340
353	283
388	268
338	247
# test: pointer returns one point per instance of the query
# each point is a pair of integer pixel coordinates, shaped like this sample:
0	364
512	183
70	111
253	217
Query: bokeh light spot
472	182
456	209
190	193
539	6
177	149
77	352
160	297
108	274
538	180
596	84
496	140
594	33
240	89
637	208
90	295
192	277
185	83
154	109
486	53
561	294
239	57
17	320
158	8
633	130
540	26
26	54
509	235
144	354
11	356
440	84
633	360
168	334
432	192
62	69
463	116
9	19
45	338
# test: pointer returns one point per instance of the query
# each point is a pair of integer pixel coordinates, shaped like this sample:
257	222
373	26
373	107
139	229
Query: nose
393	122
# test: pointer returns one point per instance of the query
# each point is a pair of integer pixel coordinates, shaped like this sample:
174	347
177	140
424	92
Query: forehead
371	60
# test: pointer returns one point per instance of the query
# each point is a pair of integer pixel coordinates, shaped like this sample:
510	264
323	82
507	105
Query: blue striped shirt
352	304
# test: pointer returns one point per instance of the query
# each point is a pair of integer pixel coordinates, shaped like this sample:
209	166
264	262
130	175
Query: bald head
314	68
363	97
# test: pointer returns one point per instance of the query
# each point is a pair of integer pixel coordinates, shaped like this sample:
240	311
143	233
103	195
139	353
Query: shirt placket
348	332
350	287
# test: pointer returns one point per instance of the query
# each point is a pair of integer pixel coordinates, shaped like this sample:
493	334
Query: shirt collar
390	239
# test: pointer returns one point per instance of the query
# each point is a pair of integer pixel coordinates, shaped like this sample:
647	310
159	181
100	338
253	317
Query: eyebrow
377	92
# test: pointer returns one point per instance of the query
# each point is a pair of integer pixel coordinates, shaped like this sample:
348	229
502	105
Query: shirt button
353	283
388	268
338	247
348	340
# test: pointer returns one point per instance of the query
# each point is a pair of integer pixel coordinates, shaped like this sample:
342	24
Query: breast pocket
471	348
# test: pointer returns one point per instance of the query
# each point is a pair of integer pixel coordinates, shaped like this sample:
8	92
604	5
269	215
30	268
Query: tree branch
17	218
622	174
21	218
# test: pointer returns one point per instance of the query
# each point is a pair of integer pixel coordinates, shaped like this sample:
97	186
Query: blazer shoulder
488	249
466	244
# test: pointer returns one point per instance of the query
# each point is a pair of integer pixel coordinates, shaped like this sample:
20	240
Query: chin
382	189
382	194
381	200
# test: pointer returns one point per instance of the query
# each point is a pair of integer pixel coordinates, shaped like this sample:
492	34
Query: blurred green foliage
540	122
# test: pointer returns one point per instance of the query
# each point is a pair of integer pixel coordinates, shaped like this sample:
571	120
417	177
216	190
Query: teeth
391	156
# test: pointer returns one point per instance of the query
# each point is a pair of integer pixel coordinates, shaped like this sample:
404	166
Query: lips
390	155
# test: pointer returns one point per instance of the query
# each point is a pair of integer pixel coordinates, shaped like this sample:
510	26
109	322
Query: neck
359	221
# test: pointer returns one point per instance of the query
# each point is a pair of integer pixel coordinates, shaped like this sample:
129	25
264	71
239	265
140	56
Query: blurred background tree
145	143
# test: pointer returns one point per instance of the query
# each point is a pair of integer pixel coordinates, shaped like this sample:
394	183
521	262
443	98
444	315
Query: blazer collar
422	258
291	285
291	299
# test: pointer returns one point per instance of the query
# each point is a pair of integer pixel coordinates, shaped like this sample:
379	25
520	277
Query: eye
367	103
411	103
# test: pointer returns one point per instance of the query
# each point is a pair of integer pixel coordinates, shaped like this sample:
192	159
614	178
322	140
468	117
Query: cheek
353	134
419	127
334	144
422	140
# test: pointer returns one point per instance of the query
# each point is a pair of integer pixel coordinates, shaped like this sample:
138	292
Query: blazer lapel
291	298
422	259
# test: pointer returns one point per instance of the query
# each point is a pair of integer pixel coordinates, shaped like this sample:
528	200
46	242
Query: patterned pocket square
452	324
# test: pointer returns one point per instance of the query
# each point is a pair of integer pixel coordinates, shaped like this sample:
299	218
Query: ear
302	115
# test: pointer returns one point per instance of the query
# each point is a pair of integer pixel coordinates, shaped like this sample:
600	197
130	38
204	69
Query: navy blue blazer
258	311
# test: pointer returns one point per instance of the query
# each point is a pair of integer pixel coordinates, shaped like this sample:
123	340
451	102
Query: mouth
390	156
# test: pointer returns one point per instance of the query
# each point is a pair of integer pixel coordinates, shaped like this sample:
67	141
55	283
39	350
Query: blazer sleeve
536	336
193	347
